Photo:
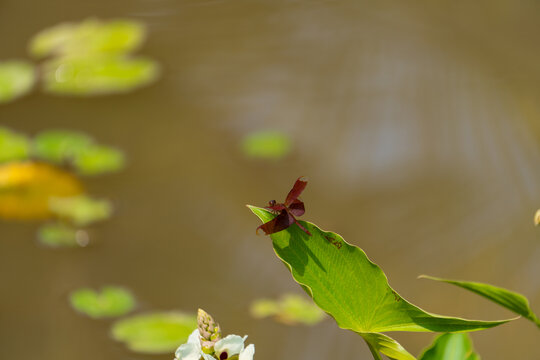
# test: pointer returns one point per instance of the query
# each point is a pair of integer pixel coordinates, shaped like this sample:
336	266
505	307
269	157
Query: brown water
417	123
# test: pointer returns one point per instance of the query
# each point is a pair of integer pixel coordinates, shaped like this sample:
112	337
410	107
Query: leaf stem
374	352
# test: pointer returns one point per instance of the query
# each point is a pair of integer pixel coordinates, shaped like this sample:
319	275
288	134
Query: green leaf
511	300
112	301
81	210
60	145
155	332
97	75
16	79
450	347
62	235
353	290
266	145
13	146
290	309
89	37
97	159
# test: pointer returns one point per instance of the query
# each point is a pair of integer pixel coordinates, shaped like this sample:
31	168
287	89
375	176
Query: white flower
226	348
192	349
233	345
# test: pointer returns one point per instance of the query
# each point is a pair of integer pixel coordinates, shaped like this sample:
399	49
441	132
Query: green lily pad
353	290
98	159
62	235
450	347
81	210
266	145
89	37
13	146
60	145
290	309
97	75
155	332
112	301
16	79
510	300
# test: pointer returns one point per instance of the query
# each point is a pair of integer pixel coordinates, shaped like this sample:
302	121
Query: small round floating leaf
13	146
98	159
266	145
97	75
62	235
112	301
26	187
81	210
155	332
16	79
290	309
263	308
89	37
450	347
60	145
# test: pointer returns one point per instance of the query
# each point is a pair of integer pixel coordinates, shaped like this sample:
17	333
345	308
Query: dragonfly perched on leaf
286	211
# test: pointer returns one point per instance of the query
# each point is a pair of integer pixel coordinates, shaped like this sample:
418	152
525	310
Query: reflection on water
416	123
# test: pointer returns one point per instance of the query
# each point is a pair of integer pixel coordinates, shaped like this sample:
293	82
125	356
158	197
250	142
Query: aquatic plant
40	179
111	301
154	333
92	57
290	309
346	284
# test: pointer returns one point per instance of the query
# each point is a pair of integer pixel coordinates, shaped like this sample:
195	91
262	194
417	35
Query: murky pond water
418	124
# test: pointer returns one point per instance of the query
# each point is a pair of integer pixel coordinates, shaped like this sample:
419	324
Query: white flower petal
195	339
248	353
232	344
188	352
208	357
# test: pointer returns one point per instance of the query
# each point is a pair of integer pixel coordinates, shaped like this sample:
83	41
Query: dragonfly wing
296	190
297	208
280	222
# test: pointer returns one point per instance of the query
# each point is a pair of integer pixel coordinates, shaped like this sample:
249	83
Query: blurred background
417	123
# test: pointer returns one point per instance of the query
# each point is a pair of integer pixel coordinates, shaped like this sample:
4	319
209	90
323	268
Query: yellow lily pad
27	187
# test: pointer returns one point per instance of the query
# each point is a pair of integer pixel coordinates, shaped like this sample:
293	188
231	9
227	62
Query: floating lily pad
97	75
450	347
155	332
62	235
81	210
26	187
266	145
16	79
60	145
112	301
98	159
291	309
89	37
13	146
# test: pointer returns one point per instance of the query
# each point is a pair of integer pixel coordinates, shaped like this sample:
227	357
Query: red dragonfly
286	211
